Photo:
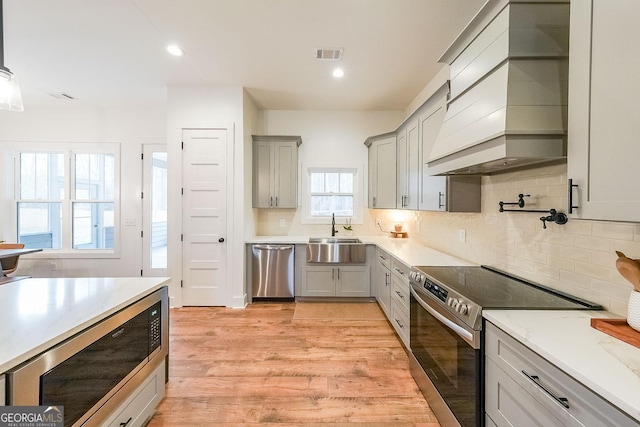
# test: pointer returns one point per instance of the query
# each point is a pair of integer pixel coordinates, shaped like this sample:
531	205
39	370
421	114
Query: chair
9	265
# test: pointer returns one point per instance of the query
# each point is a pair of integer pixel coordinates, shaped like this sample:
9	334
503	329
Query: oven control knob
452	302
462	308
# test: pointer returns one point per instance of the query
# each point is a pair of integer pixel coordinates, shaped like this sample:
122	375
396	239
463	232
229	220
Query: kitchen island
55	331
38	313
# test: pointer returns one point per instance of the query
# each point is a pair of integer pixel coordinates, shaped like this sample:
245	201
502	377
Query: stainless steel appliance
446	332
93	372
272	271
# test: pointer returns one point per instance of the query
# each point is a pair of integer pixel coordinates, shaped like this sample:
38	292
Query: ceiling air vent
329	54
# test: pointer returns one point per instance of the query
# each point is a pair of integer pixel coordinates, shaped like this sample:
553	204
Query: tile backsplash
577	257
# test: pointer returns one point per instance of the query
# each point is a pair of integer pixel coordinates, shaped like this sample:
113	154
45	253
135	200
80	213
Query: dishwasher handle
273	247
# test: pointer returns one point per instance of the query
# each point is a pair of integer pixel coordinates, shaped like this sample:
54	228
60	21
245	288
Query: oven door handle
462	332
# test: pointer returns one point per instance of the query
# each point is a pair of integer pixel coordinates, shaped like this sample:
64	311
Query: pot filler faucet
333	225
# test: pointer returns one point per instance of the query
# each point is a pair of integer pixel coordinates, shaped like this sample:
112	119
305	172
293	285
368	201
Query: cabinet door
353	281
373	176
262	175
286	174
318	281
603	148
402	180
434	188
386	174
383	287
413	166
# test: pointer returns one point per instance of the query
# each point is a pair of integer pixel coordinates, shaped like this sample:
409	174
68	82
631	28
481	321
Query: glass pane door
155	210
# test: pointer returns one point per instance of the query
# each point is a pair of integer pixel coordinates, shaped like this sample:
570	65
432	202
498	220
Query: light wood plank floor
260	365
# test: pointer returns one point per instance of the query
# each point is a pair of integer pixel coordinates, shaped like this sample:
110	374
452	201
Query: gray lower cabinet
382	280
336	281
3	397
523	389
399	316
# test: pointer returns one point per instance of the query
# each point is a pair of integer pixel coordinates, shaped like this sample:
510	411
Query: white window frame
358	192
69	150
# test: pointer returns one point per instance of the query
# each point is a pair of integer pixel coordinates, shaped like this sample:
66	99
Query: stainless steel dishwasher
272	271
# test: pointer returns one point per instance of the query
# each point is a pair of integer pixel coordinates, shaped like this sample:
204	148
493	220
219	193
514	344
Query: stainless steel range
446	332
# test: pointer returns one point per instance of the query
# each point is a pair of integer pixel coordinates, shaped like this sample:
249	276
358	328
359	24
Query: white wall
329	139
129	128
206	107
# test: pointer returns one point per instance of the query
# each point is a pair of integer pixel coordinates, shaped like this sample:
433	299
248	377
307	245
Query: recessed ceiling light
175	50
338	72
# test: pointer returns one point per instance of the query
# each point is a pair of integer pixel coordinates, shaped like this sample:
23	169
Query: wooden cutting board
618	328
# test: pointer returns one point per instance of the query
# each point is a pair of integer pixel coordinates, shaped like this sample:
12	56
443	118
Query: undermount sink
336	250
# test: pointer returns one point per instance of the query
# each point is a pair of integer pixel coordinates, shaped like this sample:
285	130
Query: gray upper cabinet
382	171
603	147
408	164
442	193
275	171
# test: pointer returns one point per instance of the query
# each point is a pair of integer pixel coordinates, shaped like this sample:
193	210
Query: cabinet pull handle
374	201
271	201
399	324
399	294
125	424
570	189
338	274
440	202
400	272
382	258
276	201
536	380
333	274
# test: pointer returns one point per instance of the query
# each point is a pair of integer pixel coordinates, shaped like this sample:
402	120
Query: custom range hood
508	90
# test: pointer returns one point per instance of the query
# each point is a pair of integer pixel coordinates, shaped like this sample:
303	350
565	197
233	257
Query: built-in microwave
91	372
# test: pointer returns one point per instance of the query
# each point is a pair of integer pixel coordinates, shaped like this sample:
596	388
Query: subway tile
547	271
591	270
609	230
579	227
582	281
595	243
630	249
561	263
606	259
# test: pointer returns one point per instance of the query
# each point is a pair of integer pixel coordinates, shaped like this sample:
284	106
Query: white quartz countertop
406	250
606	365
38	313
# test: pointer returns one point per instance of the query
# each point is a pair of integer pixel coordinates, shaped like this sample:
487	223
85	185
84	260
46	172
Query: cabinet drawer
400	269
383	258
400	321
140	406
400	291
539	384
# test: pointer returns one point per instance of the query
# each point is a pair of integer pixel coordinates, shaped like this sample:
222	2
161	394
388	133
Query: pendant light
10	97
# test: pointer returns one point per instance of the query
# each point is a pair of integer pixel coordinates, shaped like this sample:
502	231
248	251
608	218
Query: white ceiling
109	53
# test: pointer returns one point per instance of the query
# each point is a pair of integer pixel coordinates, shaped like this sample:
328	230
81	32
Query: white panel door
204	219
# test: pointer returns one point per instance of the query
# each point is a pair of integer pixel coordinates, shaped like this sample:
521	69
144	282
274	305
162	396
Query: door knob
221	239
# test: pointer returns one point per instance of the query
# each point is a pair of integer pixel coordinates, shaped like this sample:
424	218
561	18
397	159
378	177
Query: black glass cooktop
493	289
